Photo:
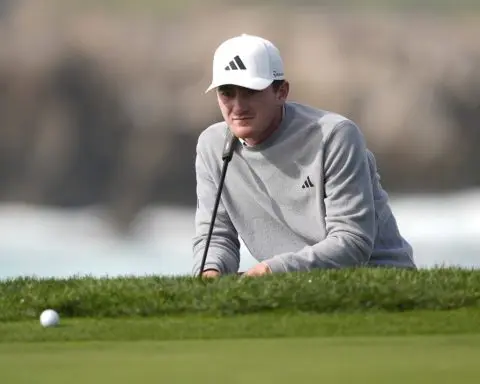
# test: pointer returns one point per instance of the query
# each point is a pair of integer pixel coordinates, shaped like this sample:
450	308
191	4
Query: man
302	189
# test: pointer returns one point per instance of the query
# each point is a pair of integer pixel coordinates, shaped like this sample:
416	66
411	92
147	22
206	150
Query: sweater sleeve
349	208
224	249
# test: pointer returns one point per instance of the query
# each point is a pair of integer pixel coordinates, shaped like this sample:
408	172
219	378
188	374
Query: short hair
277	84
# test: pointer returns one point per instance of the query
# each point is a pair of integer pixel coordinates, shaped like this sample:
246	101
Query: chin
242	131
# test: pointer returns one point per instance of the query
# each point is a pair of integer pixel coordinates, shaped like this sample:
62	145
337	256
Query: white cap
247	61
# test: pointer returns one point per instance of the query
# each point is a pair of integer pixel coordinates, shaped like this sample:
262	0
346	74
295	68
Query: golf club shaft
214	215
227	155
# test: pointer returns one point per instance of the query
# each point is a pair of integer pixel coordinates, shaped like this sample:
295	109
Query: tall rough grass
335	291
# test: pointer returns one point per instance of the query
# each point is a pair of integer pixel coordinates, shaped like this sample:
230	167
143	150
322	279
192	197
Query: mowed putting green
411	359
414	347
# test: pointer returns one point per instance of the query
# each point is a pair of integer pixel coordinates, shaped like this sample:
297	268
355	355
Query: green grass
330	291
455	322
363	360
372	326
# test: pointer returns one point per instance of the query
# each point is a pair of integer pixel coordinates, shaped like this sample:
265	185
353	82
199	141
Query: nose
239	103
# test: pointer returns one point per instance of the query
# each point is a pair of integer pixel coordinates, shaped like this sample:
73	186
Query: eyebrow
232	86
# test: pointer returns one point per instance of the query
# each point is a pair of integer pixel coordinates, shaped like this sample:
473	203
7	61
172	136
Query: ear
283	91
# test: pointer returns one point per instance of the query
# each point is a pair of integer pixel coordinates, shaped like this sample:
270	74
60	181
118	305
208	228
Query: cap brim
256	83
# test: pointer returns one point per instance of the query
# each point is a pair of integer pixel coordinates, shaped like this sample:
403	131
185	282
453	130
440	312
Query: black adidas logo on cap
236	64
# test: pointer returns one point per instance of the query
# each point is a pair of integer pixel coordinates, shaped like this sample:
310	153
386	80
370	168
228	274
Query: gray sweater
307	197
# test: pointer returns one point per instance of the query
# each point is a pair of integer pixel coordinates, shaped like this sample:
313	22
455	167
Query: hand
258	270
210	273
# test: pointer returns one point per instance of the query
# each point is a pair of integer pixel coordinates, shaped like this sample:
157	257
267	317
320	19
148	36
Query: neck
272	127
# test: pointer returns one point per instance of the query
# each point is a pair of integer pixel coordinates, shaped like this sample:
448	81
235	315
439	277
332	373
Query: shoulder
327	124
212	138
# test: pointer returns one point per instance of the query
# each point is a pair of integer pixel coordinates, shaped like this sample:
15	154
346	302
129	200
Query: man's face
250	113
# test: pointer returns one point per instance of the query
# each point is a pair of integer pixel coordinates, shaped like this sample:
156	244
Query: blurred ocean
35	241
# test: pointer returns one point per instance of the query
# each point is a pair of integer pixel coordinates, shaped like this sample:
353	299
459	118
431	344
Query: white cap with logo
247	61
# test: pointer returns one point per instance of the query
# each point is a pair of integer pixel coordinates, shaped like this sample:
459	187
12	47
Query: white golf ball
49	318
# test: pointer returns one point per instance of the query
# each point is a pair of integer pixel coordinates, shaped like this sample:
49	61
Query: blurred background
101	104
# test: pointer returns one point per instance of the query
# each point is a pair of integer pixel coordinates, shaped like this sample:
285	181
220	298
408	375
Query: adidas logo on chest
307	183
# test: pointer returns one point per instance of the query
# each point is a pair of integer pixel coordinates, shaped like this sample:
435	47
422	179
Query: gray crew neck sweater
307	197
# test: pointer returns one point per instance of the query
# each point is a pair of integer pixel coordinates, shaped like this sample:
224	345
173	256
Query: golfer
302	190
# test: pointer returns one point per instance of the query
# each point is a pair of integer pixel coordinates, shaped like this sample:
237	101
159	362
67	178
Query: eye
251	92
226	91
